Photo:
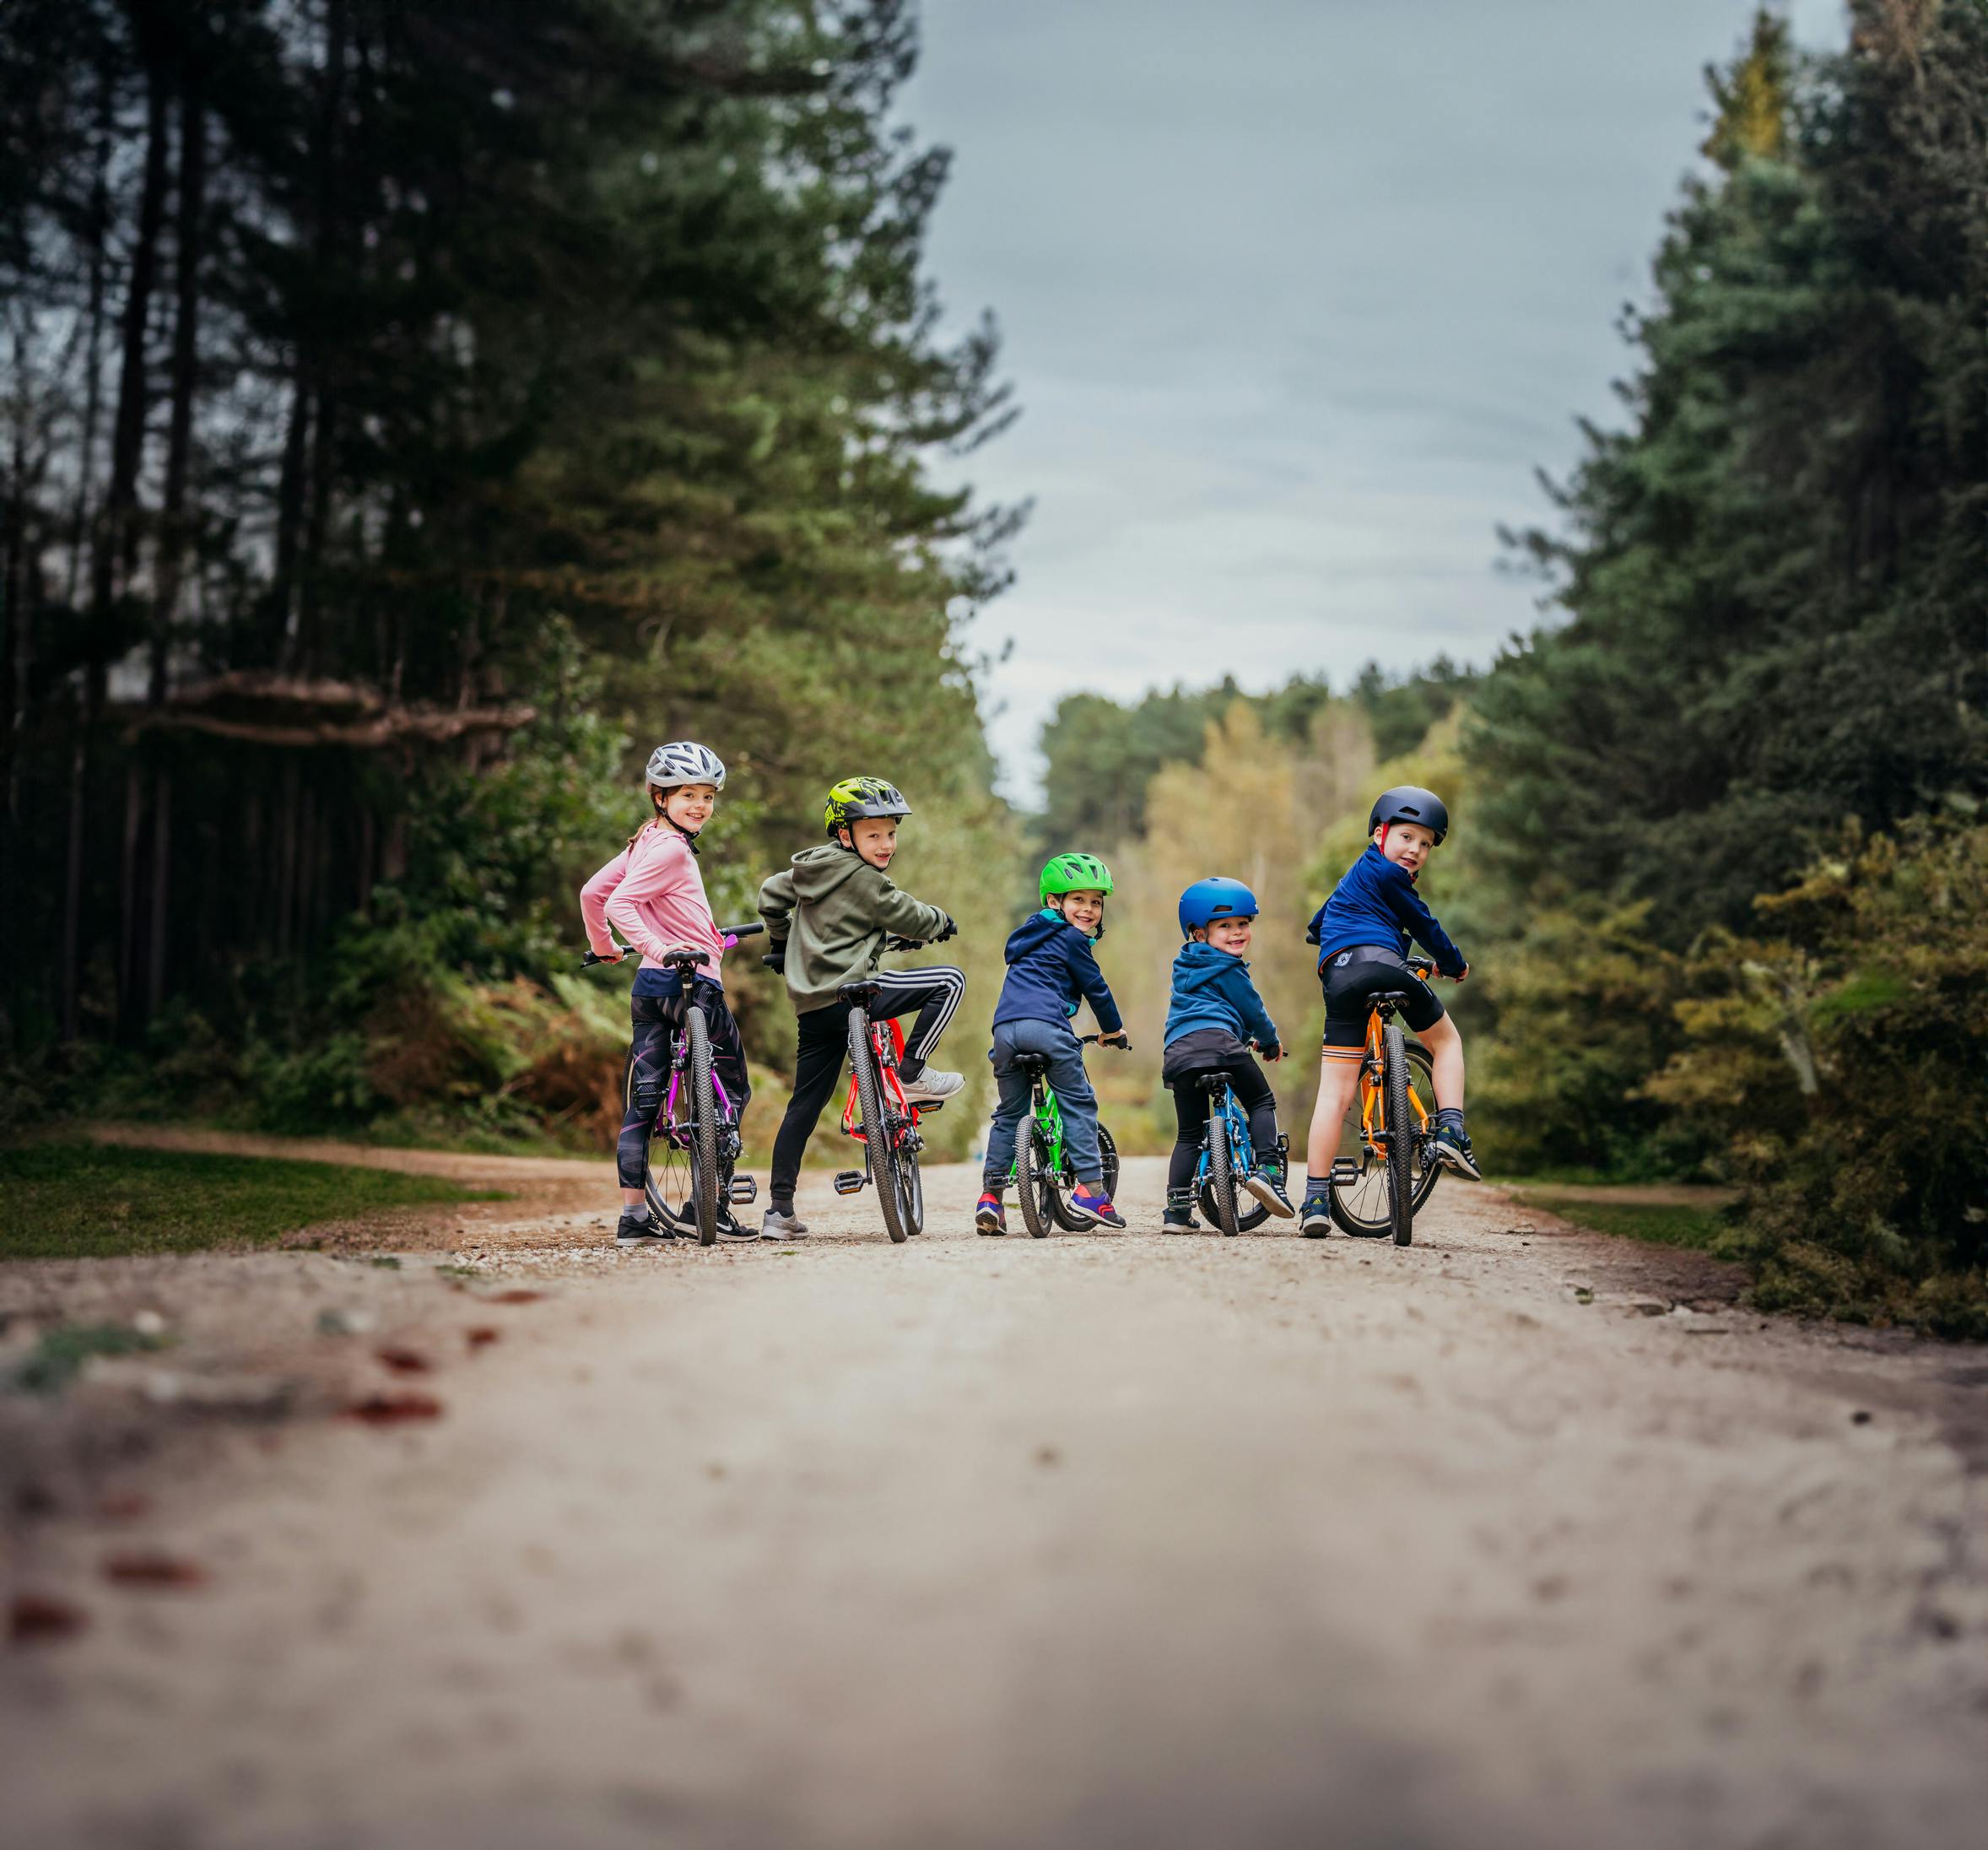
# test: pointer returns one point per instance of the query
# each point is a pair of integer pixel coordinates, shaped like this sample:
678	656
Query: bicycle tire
1108	1152
1401	1137
704	1127
877	1144
1221	1174
1042	1206
1360	1208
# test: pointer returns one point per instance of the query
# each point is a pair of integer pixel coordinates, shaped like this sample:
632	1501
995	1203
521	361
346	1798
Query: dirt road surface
1521	1537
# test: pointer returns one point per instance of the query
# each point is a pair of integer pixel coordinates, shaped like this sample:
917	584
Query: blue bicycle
1227	1158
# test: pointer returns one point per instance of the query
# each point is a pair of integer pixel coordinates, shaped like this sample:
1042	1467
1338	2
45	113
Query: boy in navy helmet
1213	1017
1361	932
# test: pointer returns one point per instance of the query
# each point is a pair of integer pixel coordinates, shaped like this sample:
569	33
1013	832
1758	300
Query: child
827	917
652	894
1051	965
1214	1012
1361	932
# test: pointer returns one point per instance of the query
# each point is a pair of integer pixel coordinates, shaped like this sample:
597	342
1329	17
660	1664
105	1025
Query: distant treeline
1721	859
412	411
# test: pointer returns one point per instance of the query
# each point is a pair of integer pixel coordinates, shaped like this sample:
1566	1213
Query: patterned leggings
645	1084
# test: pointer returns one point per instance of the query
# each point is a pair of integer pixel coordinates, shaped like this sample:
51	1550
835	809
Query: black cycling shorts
1349	977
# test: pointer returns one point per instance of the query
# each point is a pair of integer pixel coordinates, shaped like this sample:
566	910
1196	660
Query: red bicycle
878	1115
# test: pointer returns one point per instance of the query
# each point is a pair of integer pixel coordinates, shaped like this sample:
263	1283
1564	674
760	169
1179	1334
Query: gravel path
1521	1537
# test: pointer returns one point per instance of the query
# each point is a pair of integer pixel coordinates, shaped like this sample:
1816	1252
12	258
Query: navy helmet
1207	901
1411	803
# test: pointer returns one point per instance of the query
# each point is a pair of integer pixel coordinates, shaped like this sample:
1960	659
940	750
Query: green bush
1873	1206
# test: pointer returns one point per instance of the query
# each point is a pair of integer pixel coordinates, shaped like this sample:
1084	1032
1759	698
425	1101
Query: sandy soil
1519	1537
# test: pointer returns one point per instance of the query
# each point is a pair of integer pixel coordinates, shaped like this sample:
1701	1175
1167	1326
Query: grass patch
1701	1228
84	1201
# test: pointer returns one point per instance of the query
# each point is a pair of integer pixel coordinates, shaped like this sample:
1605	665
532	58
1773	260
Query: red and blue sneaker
1095	1209
989	1216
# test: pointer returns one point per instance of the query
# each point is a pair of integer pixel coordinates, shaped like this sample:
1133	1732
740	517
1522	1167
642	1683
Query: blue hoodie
1376	903
1051	964
1213	989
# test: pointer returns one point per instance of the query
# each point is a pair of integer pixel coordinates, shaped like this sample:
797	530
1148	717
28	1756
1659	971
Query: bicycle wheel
1108	1151
703	1125
881	1152
1402	1127
1042	1206
1220	1193
1359	1200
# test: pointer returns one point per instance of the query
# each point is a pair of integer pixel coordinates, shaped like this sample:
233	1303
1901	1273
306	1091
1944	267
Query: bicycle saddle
864	993
1032	1062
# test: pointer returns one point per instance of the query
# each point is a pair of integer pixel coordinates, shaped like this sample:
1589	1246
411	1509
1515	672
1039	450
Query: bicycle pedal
744	1189
926	1106
849	1181
1344	1174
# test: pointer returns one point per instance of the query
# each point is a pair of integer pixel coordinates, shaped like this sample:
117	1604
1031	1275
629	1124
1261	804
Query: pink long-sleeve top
652	894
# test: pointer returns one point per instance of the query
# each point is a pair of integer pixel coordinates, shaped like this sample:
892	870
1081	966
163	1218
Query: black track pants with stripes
822	1049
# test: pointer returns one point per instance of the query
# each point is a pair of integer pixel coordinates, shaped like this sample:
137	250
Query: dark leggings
1190	1113
645	1084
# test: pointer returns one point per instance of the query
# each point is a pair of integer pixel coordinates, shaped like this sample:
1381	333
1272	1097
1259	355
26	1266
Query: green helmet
857	797
1075	873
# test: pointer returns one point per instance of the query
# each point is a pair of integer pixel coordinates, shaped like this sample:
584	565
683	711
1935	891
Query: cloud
1297	296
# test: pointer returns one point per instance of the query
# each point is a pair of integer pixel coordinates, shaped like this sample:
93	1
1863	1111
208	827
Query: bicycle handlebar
730	933
1123	1040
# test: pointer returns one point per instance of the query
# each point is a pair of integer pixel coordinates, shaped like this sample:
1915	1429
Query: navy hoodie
1376	903
1051	964
1213	989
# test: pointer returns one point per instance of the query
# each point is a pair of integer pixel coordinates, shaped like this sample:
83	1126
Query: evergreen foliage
465	397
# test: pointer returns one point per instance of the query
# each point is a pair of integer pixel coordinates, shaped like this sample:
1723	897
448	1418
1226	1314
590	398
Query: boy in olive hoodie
827	917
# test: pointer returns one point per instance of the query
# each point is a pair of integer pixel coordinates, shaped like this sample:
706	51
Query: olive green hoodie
830	912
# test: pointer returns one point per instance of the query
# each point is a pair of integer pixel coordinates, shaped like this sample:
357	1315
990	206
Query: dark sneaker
1449	1143
1268	1187
1180	1216
989	1216
1095	1209
731	1227
1314	1222
638	1227
776	1225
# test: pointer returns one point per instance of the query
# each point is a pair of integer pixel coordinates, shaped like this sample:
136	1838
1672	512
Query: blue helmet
1209	900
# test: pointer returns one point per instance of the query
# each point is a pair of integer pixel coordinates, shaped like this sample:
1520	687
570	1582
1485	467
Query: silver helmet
685	762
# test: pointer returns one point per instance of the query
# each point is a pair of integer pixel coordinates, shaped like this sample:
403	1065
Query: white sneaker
930	1088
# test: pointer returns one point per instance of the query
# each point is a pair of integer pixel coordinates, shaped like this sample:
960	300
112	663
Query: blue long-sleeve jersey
1376	903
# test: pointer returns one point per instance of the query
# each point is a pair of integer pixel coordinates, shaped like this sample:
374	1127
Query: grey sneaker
931	1087
776	1225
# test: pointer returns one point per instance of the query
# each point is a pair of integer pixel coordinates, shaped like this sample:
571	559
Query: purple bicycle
695	1144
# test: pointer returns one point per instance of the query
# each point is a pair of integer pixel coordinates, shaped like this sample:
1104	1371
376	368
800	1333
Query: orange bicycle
1379	1195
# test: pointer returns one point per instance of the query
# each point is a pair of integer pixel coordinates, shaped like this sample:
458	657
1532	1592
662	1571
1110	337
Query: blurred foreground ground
1519	1537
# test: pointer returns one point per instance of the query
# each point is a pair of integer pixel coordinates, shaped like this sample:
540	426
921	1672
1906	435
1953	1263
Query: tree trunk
99	224
119	555
179	443
279	642
73	876
162	812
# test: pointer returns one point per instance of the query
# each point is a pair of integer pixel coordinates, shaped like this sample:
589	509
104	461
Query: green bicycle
1042	1161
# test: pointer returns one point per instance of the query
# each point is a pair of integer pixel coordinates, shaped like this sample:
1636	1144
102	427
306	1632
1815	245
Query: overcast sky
1296	294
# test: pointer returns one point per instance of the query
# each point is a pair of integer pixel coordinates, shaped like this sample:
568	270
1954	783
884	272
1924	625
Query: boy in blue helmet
1213	1017
1361	932
1052	969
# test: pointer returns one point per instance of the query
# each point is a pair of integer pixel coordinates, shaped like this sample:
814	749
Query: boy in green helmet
1050	969
827	917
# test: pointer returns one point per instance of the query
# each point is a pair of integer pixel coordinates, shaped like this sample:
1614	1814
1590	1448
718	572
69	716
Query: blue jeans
1068	1079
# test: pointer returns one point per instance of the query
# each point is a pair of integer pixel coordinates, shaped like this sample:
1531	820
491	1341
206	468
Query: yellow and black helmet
857	797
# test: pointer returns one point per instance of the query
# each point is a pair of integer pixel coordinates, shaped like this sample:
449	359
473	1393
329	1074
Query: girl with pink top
652	894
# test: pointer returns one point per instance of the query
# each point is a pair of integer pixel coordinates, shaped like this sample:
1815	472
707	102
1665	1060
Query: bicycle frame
889	1048
1046	1112
1230	1116
1370	1105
